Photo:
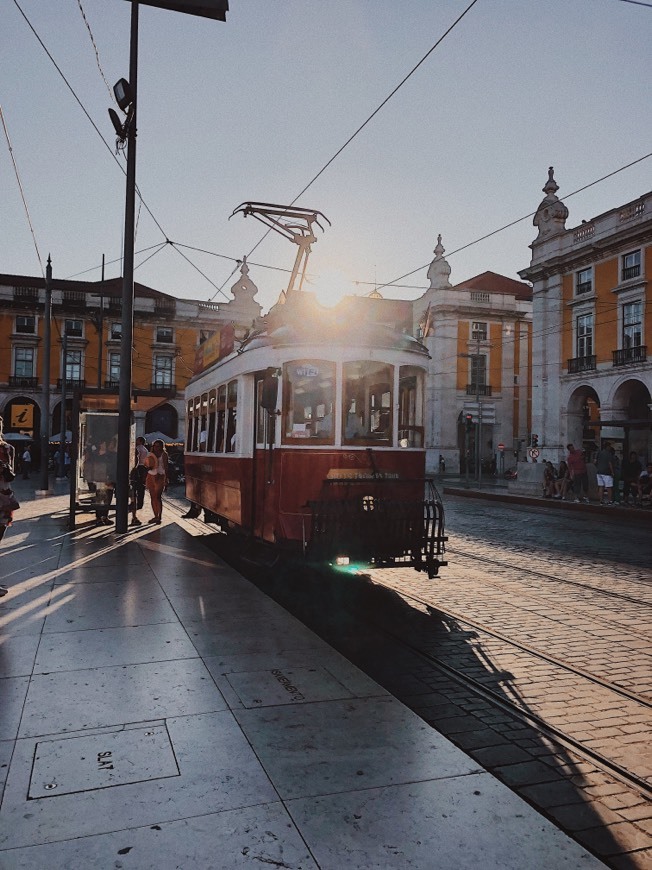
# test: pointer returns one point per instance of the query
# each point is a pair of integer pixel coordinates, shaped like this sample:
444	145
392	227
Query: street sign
533	453
501	446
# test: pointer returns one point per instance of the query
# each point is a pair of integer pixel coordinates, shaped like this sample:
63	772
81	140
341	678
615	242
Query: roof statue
244	288
439	270
551	215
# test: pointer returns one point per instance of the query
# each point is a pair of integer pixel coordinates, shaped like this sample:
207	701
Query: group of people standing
571	479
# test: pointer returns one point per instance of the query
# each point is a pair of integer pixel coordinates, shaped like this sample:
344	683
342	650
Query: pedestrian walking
157	478
138	478
8	503
604	467
578	474
615	461
26	463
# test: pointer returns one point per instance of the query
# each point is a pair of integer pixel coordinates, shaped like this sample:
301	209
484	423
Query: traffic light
535	440
469	421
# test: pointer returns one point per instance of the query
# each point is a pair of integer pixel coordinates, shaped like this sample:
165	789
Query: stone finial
244	288
551	215
439	270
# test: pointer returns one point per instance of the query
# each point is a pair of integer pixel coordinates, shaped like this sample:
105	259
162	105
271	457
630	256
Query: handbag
7	474
8	502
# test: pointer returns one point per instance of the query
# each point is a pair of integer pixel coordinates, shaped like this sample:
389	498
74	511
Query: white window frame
23	348
588	270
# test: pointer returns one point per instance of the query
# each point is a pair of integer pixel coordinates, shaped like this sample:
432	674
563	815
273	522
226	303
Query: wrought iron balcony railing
581	364
25	383
478	389
627	355
631	272
71	383
168	388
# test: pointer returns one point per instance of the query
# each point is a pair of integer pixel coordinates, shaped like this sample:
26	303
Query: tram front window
367	410
308	401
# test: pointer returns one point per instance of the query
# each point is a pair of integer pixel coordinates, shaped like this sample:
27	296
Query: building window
584	335
164	334
73	328
478	331
73	366
25	324
633	324
162	371
631	265
114	367
479	370
24	362
116	330
583	281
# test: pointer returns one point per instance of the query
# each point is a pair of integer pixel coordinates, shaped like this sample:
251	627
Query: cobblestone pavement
578	592
573	589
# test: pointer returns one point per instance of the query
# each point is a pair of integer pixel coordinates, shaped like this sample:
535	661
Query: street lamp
126	96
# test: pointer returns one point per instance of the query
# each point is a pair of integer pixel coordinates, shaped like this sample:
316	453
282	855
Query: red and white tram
311	435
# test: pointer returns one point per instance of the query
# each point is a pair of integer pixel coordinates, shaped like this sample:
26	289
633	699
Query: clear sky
253	108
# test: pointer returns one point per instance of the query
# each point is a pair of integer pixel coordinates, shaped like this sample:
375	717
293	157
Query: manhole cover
77	764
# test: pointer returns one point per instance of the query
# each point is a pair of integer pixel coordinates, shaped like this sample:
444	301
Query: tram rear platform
157	710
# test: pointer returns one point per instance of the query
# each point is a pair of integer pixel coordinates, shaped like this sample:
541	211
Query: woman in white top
157	477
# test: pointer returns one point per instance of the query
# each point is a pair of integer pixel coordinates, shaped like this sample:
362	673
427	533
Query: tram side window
203	424
367	396
212	411
195	431
410	417
265	422
221	419
308	401
231	412
190	425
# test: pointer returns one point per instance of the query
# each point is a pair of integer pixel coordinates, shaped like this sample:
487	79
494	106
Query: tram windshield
367	402
309	396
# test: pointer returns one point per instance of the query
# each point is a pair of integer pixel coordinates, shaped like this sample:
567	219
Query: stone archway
632	404
582	418
163	419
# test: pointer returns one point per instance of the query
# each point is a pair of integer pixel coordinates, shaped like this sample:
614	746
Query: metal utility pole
100	332
124	393
62	437
45	374
127	98
477	398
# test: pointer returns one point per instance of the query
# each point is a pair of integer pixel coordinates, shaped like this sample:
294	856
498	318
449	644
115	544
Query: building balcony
167	388
112	384
581	364
478	389
73	299
631	272
71	383
629	355
26	295
17	381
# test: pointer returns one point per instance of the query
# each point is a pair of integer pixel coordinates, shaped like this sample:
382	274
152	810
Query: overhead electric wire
22	191
373	114
519	220
97	54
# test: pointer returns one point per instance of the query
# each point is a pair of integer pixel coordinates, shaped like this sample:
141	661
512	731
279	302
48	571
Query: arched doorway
57	426
583	420
632	404
163	419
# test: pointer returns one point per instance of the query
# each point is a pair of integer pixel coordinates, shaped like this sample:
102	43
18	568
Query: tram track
563	737
547	576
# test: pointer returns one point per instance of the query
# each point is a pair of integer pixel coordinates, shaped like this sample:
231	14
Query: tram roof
302	320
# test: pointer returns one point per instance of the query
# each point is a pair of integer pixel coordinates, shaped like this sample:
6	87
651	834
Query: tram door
262	502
